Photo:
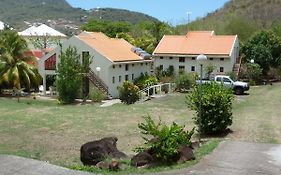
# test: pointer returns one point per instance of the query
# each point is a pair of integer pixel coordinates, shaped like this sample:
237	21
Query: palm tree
14	68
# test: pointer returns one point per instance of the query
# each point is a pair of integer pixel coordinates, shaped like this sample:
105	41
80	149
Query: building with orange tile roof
114	60
180	52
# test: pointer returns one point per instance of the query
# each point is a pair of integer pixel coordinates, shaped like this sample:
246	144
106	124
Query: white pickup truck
238	87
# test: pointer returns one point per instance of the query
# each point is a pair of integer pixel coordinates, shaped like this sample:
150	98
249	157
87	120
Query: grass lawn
44	130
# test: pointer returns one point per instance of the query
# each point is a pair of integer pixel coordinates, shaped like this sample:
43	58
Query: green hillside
242	17
60	15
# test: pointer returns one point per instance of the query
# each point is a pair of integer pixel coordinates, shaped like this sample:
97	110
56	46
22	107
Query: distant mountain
248	15
60	15
262	12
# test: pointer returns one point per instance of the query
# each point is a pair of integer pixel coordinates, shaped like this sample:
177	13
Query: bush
184	82
145	80
129	93
69	76
166	139
96	95
216	110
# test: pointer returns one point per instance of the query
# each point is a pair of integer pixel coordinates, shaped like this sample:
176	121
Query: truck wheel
239	91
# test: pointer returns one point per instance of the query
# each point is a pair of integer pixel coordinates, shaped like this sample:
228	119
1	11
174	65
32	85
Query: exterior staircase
97	81
237	67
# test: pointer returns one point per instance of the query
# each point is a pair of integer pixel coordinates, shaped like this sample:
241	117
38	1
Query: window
85	57
133	65
222	59
221	69
113	66
145	63
120	78
161	58
193	58
120	66
182	59
181	69
141	64
126	67
192	68
113	80
126	77
226	80
133	76
161	67
211	59
171	58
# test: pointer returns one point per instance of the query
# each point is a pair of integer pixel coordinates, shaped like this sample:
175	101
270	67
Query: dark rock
114	165
102	165
185	153
141	159
94	152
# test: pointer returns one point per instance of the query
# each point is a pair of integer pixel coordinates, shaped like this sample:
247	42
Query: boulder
141	159
96	151
185	153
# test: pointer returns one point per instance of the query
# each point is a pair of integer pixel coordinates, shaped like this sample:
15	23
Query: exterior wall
118	70
190	61
235	51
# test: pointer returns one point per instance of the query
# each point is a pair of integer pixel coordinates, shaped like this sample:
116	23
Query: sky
171	11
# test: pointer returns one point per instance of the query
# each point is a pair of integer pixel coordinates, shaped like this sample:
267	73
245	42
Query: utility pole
188	19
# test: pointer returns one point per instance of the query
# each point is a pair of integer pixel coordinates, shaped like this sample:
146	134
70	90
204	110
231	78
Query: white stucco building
114	60
180	52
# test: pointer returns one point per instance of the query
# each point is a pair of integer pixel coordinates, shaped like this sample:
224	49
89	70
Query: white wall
227	63
135	68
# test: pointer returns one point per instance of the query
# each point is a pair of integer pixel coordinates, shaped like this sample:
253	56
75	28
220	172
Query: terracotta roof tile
198	42
116	50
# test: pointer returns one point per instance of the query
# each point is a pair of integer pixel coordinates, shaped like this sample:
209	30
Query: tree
216	111
241	27
44	42
109	28
69	76
265	49
15	68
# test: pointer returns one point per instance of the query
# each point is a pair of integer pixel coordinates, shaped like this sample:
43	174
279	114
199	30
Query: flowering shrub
129	93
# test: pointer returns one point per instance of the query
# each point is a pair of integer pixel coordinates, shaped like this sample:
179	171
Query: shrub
254	71
184	82
165	141
209	70
129	93
216	113
145	80
96	95
69	76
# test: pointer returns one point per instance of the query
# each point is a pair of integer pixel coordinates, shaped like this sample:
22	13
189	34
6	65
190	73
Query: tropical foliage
16	69
145	35
145	80
129	93
216	111
265	49
69	78
165	141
